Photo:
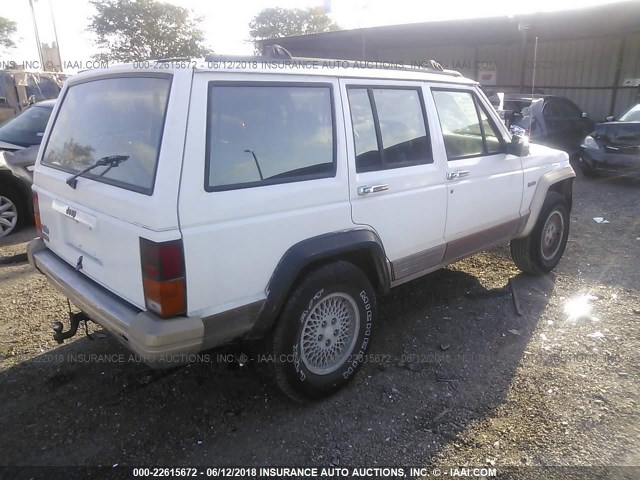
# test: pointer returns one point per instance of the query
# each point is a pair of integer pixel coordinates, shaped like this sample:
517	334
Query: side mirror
585	115
519	146
3	101
610	118
31	100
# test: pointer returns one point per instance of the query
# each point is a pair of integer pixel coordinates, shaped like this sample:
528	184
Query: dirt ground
456	377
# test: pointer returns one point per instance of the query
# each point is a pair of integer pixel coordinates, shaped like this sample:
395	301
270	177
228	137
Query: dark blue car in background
20	139
613	146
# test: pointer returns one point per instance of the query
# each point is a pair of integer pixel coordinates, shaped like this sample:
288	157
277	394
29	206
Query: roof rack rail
271	52
277	53
174	59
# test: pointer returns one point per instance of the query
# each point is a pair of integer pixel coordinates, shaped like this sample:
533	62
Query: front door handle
457	174
366	189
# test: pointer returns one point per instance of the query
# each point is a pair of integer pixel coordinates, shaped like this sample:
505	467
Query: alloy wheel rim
329	333
552	234
8	216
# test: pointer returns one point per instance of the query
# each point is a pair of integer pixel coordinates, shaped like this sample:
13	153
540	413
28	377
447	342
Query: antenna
533	82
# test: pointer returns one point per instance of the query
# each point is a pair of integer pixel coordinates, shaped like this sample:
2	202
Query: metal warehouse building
591	56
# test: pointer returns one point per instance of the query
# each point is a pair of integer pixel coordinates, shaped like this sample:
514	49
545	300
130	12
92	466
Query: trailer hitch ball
74	320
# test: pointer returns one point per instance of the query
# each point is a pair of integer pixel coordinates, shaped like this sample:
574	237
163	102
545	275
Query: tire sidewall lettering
358	358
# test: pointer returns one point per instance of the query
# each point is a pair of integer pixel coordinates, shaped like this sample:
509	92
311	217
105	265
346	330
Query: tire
12	210
586	168
306	365
542	249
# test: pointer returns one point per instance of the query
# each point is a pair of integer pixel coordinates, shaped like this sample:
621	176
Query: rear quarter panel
234	239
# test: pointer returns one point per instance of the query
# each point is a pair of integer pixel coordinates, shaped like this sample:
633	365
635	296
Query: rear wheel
324	332
542	249
12	210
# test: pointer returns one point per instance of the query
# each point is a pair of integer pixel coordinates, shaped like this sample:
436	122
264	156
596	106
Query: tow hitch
74	320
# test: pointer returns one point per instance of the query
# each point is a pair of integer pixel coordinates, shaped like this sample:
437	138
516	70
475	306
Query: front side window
569	110
267	134
389	128
467	129
111	116
491	136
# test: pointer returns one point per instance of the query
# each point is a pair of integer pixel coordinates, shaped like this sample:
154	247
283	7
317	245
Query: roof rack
277	53
172	60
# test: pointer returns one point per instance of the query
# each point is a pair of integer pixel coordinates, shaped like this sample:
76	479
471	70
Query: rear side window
264	134
111	116
389	128
467	130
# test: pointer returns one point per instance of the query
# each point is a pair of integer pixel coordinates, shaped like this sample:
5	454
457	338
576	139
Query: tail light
163	277
36	212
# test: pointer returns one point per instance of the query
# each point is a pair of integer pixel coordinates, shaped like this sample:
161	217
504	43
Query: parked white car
186	208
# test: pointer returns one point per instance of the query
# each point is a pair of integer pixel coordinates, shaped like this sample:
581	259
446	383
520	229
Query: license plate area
78	229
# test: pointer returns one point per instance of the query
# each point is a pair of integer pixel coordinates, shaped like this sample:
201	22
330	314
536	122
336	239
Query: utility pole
55	33
35	29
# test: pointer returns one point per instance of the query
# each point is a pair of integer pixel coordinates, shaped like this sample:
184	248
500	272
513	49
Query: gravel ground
456	376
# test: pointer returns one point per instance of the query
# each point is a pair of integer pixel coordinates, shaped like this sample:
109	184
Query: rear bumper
158	342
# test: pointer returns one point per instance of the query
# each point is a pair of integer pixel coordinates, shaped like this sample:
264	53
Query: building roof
603	20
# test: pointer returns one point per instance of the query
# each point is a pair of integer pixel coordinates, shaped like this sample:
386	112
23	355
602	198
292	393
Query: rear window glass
268	134
111	116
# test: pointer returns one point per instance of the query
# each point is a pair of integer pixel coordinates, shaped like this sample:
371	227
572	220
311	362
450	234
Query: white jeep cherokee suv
276	198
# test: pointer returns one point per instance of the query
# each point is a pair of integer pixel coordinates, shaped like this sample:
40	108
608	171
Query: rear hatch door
96	227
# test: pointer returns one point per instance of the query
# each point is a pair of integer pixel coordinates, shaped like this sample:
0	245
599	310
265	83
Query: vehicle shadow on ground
443	356
23	235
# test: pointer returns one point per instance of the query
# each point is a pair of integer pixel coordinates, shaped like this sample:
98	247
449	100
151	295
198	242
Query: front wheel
540	251
324	331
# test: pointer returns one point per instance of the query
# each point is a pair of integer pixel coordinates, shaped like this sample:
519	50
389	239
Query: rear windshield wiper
111	161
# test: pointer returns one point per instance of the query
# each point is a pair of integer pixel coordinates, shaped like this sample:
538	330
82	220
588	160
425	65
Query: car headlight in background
590	143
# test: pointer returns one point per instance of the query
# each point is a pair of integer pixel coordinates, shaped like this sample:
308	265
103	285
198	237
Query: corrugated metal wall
583	70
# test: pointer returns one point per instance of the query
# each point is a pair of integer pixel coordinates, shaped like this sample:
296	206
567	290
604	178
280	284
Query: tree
7	30
283	22
133	30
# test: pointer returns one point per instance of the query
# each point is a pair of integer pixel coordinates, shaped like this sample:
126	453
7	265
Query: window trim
478	105
275	181
376	121
97	178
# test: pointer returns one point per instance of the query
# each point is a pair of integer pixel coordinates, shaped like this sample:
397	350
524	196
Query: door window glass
467	129
459	122
389	128
364	131
268	134
404	137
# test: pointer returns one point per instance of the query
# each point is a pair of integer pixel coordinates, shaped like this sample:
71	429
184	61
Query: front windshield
27	128
631	115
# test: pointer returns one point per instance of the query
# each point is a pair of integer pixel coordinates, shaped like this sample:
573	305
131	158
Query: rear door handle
366	189
457	174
